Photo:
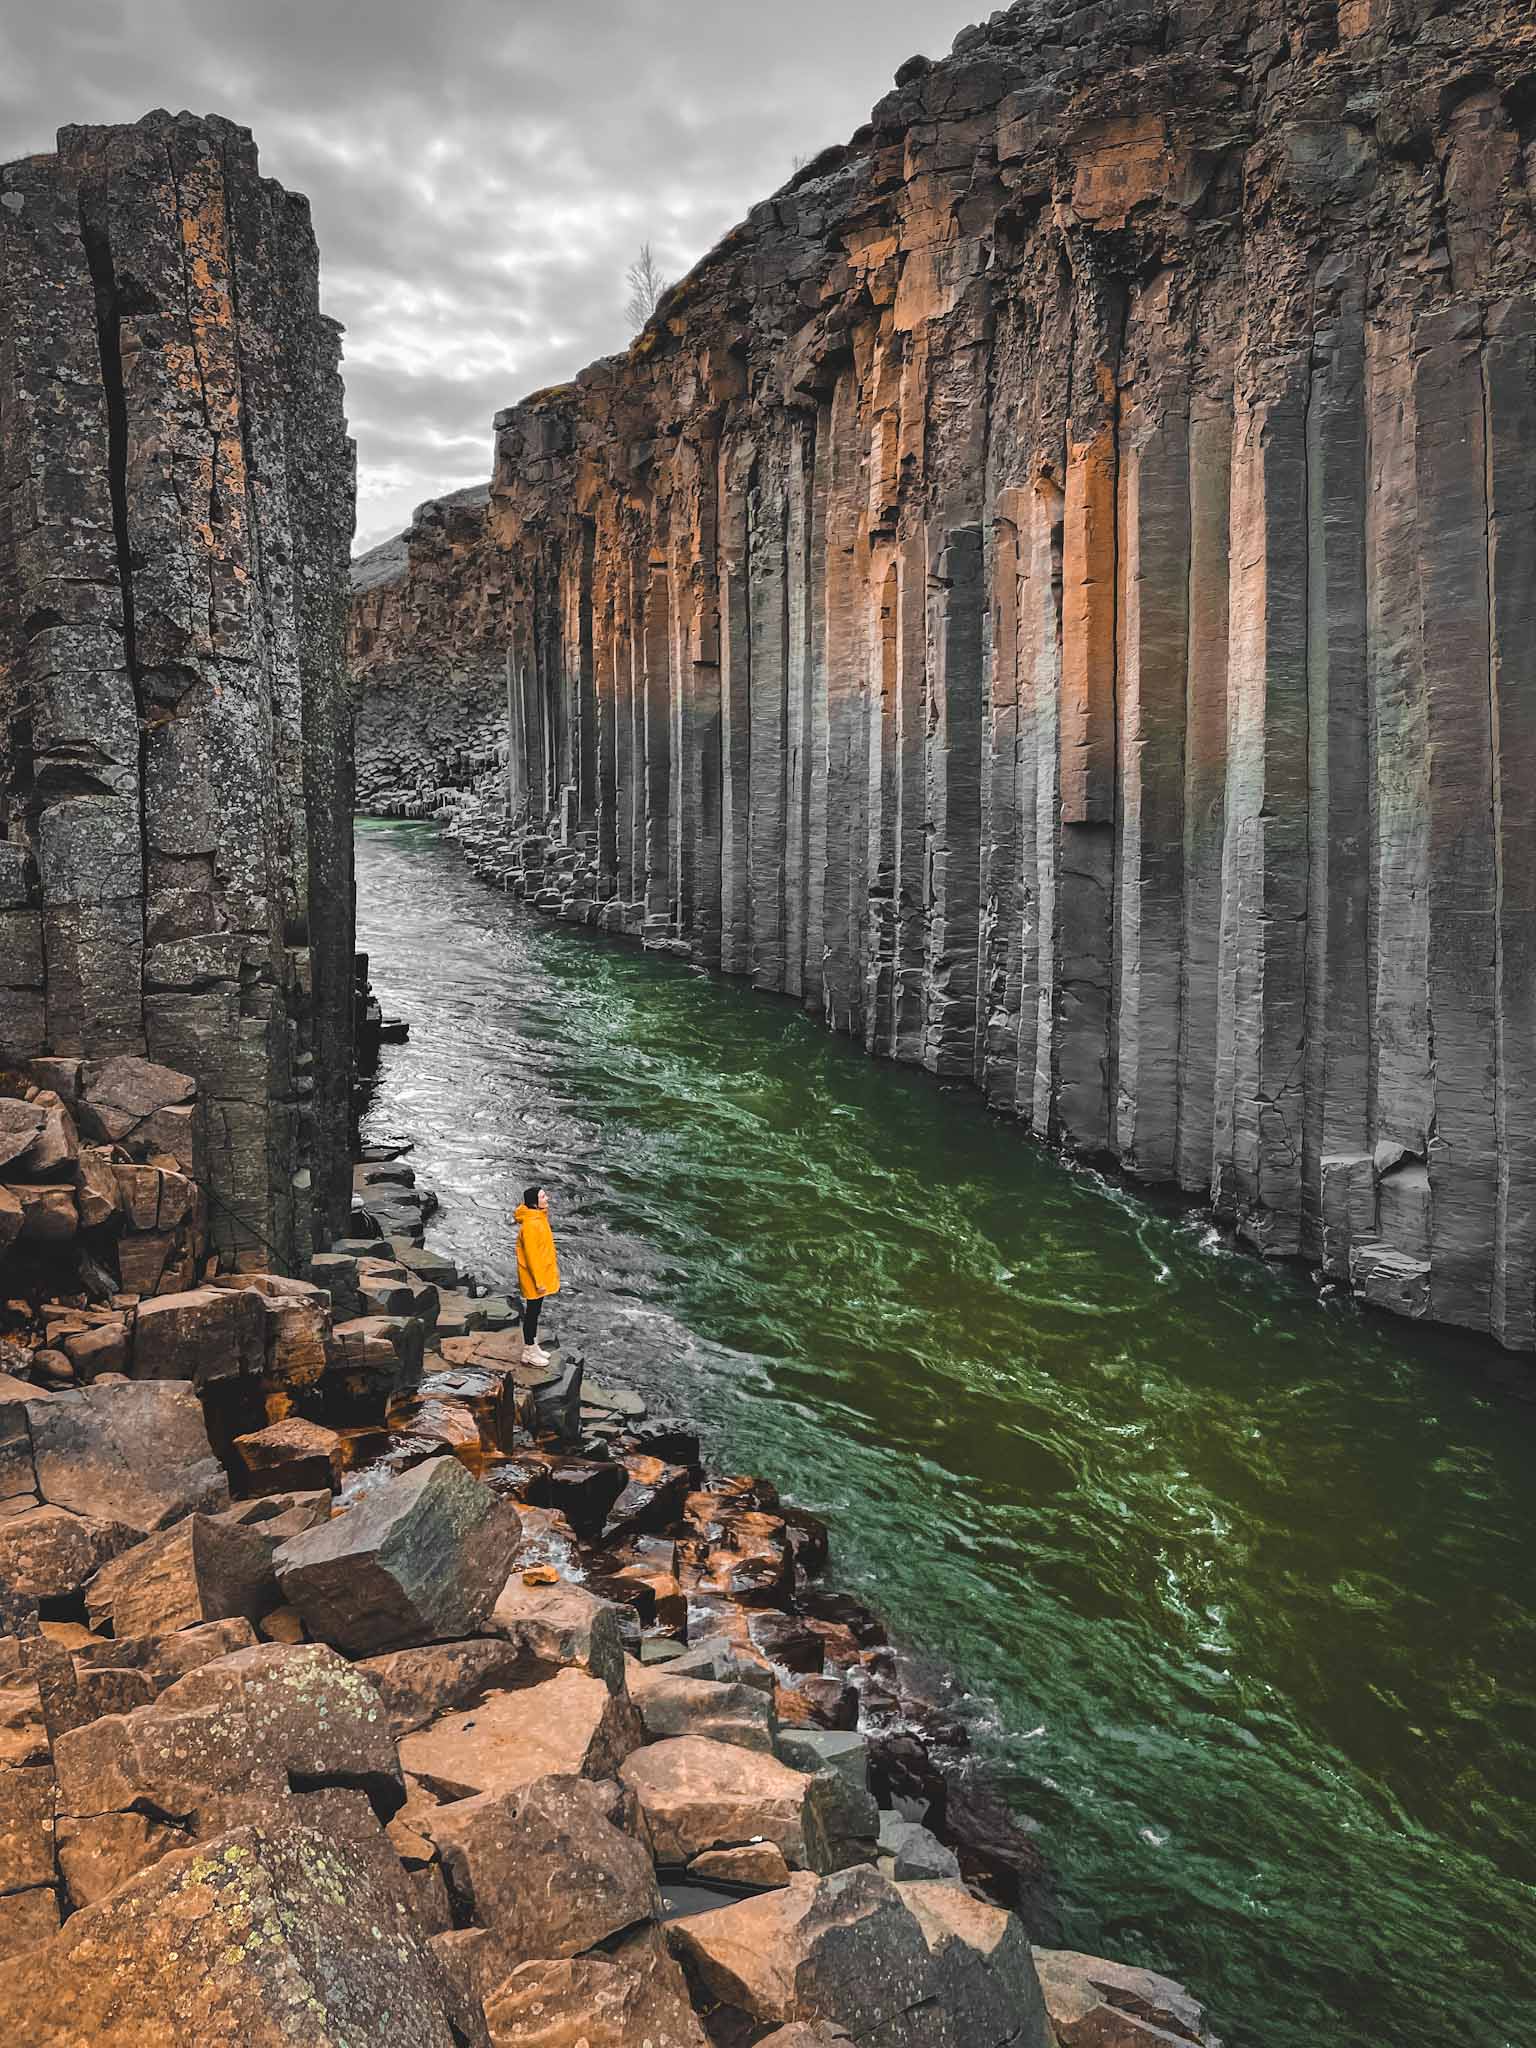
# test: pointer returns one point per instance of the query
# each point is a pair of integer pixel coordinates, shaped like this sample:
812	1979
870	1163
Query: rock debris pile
358	1678
1051	590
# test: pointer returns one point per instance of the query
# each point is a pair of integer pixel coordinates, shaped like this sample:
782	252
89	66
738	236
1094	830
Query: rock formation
1053	590
411	1732
425	643
175	726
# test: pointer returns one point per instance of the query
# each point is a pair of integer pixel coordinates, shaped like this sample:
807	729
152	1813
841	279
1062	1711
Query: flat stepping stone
615	1400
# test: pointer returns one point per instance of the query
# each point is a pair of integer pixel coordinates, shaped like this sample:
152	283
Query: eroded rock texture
175	730
1056	590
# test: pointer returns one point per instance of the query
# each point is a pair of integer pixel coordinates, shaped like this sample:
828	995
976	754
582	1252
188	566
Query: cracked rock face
1052	590
175	723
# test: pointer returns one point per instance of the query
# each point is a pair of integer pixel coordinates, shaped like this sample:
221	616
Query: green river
1240	1583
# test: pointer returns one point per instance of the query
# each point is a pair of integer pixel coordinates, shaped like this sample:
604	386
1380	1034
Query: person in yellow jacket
538	1269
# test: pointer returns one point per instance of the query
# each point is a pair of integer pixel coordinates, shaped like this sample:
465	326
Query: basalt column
175	722
1083	530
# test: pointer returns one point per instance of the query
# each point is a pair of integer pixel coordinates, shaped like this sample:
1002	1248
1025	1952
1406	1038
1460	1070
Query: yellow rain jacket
538	1270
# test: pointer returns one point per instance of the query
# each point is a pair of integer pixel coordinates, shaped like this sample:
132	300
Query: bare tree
646	285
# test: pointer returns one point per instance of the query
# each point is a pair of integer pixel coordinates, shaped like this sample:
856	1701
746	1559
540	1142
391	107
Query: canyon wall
176	489
1055	590
425	644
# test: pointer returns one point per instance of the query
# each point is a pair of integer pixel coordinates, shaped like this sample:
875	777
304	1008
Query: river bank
349	1657
1178	1524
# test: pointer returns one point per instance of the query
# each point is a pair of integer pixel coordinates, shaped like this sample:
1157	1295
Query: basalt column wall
1056	590
425	646
176	490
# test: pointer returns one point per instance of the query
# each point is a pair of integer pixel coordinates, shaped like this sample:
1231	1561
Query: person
538	1269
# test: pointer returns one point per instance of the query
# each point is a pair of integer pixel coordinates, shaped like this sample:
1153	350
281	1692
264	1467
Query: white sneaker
535	1354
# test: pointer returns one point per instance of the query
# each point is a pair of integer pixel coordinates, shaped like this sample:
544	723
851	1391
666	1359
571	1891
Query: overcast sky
481	171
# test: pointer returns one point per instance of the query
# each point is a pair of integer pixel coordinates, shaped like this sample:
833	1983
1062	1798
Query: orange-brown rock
219	1946
569	1725
294	1455
633	1995
422	1556
544	1866
697	1795
200	1569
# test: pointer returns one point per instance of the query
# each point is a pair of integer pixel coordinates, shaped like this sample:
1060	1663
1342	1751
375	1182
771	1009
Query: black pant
531	1319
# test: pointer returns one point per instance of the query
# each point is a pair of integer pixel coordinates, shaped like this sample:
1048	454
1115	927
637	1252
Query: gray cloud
481	171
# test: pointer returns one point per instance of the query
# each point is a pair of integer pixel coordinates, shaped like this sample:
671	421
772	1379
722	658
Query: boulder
336	1274
102	1350
461	1406
385	1288
909	1851
154	1198
432	1267
652	1498
144	1264
49	1215
549	1399
634	1997
370	1359
291	1456
669	1705
570	1725
46	1553
131	1452
56	1145
200	1569
206	1334
1093	2003
544	1866
297	1321
758	1864
984	1975
843	1949
698	1795
18	1474
190	1648
653	1592
751	1562
474	1962
98	1195
238	1943
21	1125
143	1107
423	1556
417	1686
850	1818
582	1489
235	1741
561	1624
818	1749
718	1658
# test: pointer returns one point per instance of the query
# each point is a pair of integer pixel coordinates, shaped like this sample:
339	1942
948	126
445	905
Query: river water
1240	1582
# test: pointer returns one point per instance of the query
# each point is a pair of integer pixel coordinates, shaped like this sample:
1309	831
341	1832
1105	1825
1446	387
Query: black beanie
531	1197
